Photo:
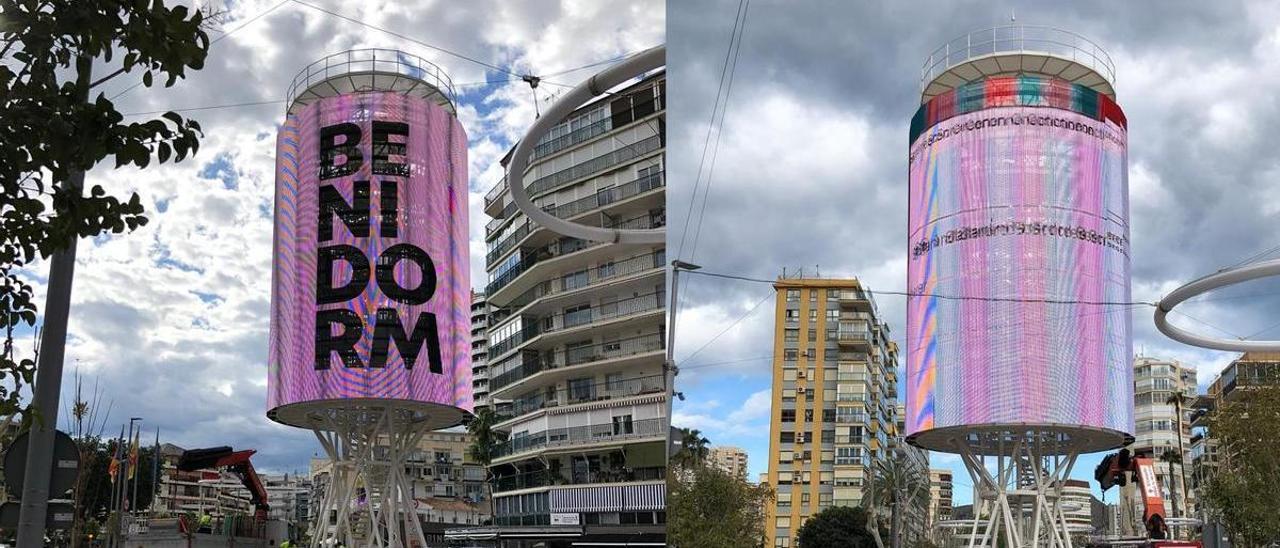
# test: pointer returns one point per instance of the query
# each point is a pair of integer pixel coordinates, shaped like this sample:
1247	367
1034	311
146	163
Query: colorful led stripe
1018	189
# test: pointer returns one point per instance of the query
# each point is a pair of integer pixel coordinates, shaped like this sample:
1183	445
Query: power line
706	142
404	37
728	327
215	40
715	147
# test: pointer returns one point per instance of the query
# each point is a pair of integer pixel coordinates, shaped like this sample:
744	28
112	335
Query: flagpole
155	472
137	465
115	486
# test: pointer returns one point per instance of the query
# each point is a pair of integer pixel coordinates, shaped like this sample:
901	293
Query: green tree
485	442
57	121
838	527
694	449
710	508
1242	488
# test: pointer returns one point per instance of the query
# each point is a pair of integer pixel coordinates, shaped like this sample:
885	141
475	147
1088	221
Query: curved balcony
545	478
636	112
567	246
582	436
571	210
564	321
581	355
586	279
600	391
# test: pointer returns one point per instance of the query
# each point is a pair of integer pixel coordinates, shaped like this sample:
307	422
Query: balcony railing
580	435
596	392
595	165
565	247
586	278
576	207
576	318
544	478
585	133
565	357
580	135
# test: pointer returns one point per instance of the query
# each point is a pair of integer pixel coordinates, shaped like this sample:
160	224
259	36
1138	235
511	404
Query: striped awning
645	497
587	499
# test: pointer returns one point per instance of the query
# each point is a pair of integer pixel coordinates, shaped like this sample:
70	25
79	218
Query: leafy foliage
1242	488
53	126
838	527
710	508
694	448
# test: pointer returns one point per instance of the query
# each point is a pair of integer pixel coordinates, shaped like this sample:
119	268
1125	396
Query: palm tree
694	448
899	486
1179	400
485	441
1170	456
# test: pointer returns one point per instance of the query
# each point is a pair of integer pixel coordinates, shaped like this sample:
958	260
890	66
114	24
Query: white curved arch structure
1208	283
632	67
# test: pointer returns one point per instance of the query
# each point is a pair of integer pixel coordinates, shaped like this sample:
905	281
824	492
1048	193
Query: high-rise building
940	500
1157	428
576	330
480	349
732	460
834	400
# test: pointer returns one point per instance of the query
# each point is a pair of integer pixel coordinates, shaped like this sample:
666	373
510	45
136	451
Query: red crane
1115	469
236	462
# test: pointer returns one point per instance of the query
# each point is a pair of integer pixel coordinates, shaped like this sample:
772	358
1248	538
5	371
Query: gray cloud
812	162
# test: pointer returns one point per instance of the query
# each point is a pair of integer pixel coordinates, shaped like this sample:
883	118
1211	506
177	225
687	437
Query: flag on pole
114	469
133	454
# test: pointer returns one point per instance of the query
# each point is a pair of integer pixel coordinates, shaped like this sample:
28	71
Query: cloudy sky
172	320
811	168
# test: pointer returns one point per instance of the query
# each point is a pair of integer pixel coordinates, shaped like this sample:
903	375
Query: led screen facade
1018	230
370	289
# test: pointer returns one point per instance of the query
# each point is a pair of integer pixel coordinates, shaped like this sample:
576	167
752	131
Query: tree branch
118	72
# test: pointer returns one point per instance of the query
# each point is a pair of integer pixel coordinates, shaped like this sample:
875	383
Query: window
613	382
833	315
622	425
792	315
581	389
793	294
606	270
813	314
790	354
813	335
788	415
828	415
791	335
787	437
813	295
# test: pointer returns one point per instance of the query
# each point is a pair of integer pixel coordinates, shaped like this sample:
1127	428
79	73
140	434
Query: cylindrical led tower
1018	343
370	317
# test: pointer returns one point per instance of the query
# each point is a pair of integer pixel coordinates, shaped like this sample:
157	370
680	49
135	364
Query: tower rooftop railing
1017	49
371	69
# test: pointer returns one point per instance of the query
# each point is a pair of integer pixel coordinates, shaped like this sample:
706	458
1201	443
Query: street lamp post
669	366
